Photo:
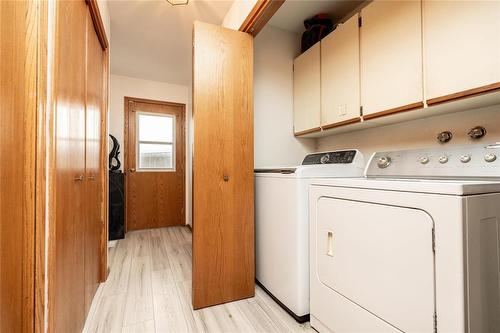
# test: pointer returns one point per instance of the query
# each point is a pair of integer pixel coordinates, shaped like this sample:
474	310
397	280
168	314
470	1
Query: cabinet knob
226	178
131	170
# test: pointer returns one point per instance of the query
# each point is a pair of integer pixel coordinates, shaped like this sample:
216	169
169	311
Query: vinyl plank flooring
149	290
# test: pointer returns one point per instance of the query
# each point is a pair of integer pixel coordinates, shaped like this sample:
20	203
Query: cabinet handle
131	170
91	177
79	178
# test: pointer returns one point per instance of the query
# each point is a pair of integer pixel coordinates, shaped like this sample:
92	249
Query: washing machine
282	224
413	247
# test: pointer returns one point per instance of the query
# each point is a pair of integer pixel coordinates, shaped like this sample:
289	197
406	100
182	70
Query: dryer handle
329	244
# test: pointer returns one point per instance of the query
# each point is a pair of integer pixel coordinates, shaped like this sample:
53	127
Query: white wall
419	133
237	14
123	86
274	142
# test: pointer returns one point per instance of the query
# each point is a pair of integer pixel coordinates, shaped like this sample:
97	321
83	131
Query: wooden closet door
69	136
223	216
18	102
93	167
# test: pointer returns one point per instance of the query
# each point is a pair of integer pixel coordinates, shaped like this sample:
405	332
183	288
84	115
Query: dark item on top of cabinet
113	155
317	27
116	205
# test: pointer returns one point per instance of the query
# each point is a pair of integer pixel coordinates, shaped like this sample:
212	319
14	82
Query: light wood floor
149	290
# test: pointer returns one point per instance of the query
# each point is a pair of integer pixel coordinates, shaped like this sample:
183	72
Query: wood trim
104	165
312	130
342	123
464	94
260	14
95	13
126	102
41	182
404	108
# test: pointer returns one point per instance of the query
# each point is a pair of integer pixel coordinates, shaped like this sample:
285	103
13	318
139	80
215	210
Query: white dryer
282	224
414	247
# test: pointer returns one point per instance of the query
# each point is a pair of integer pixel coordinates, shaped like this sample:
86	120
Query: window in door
155	142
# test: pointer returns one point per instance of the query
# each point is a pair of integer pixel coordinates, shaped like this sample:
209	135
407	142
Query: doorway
155	161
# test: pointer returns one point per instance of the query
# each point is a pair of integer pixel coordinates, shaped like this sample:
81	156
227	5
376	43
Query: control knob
490	157
384	162
443	159
465	158
424	159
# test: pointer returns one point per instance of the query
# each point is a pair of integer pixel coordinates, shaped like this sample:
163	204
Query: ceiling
292	13
150	39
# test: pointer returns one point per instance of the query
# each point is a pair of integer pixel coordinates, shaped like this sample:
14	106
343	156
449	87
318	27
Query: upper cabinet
391	57
462	48
306	91
340	97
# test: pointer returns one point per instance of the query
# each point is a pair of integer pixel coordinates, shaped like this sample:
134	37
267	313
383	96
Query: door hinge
361	110
360	21
435	322
433	240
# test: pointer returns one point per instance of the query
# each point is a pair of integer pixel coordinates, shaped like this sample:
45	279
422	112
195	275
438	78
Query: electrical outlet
342	109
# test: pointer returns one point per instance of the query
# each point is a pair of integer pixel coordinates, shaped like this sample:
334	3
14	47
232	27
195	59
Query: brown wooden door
155	164
69	134
223	228
93	166
18	102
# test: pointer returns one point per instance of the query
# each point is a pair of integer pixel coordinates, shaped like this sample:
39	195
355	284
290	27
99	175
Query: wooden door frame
45	182
260	14
126	102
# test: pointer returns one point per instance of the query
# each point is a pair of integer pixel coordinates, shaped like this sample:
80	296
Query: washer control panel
474	161
332	157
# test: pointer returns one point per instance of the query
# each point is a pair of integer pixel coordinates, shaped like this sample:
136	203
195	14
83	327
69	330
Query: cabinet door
340	99
18	113
306	90
462	46
93	167
223	215
391	57
69	98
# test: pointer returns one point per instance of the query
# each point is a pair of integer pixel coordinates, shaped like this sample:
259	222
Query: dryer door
379	257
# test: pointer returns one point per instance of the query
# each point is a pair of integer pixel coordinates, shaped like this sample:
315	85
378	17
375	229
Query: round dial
384	162
424	159
490	158
325	159
443	159
465	158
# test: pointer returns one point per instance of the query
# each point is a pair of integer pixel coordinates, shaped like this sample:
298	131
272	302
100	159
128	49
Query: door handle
79	178
131	170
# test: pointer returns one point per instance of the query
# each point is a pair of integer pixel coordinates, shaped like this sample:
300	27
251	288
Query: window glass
155	156
155	128
155	144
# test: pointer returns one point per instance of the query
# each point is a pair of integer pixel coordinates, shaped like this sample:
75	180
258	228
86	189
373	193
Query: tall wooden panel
340	98
462	48
18	50
69	98
223	227
93	165
307	90
391	56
